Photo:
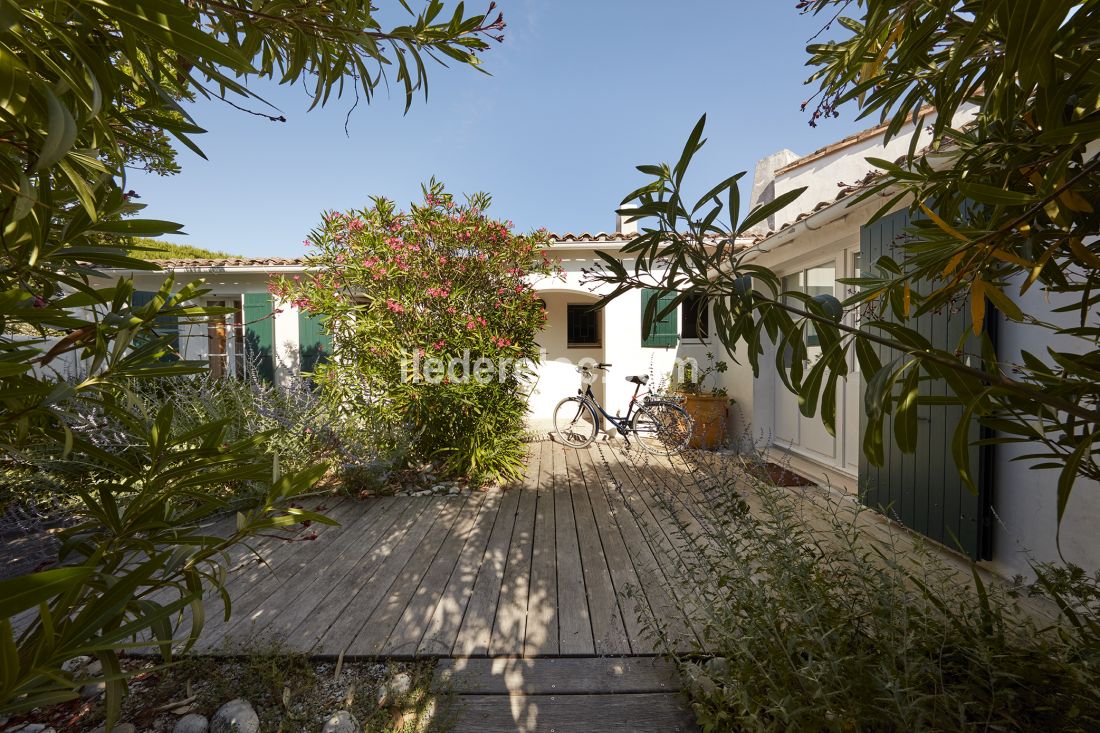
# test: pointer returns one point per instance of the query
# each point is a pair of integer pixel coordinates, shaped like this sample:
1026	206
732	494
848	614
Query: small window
695	317
583	328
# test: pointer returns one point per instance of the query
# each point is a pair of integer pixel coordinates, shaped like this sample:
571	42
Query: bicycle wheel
662	428
575	422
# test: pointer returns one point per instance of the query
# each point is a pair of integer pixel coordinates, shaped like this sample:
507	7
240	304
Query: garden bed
288	692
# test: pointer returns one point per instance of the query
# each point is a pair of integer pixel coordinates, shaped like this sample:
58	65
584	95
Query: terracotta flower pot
709	413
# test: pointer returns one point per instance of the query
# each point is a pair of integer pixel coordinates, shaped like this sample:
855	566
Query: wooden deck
564	565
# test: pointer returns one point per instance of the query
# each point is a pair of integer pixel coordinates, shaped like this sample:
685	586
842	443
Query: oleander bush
434	322
813	619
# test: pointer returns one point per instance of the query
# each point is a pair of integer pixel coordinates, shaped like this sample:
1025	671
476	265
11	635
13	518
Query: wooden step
662	712
555	676
561	694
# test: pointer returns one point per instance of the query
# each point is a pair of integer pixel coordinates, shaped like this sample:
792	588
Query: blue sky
580	93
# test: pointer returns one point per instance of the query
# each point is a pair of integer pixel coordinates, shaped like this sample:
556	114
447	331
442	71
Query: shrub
814	622
405	293
295	423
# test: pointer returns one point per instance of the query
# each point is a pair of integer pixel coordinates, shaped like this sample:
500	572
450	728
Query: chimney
622	226
763	185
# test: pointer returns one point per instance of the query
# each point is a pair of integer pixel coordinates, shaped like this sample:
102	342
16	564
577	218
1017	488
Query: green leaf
997	196
763	211
60	132
27	591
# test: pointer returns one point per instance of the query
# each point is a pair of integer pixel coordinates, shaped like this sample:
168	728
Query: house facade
820	239
812	244
282	341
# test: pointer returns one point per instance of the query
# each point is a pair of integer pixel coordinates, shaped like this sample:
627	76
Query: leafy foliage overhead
88	87
1007	193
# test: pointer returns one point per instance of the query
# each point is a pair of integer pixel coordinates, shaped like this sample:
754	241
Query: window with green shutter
662	331
259	334
314	345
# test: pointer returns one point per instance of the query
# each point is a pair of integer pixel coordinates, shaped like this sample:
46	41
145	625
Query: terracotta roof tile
229	262
846	142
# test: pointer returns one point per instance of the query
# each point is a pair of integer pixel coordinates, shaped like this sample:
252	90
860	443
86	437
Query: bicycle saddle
642	380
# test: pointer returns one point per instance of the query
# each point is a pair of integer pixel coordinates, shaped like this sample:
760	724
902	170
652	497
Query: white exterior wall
620	331
286	356
556	377
1024	500
845	165
776	418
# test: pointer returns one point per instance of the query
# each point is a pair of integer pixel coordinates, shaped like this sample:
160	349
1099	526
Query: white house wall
1024	500
776	418
846	164
621	337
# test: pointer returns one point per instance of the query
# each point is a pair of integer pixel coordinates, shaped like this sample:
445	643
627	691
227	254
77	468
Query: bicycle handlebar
594	366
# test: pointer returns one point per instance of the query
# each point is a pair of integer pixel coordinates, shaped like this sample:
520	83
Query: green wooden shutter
259	334
163	326
662	332
314	345
923	490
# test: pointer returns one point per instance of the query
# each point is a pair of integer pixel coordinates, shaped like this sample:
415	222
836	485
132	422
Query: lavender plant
811	617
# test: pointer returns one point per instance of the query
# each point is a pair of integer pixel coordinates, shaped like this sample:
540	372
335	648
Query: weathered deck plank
608	631
540	570
440	634
510	625
409	629
476	631
542	605
280	613
372	636
555	676
353	618
574	619
316	629
659	712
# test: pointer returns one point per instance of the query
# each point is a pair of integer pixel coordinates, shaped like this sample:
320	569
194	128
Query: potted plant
706	404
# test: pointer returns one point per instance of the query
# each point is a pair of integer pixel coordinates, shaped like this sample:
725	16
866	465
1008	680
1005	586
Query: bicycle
661	426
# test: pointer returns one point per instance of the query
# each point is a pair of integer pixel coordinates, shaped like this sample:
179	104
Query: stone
236	716
717	666
32	728
397	687
341	722
191	723
93	689
454	490
400	684
698	680
74	665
